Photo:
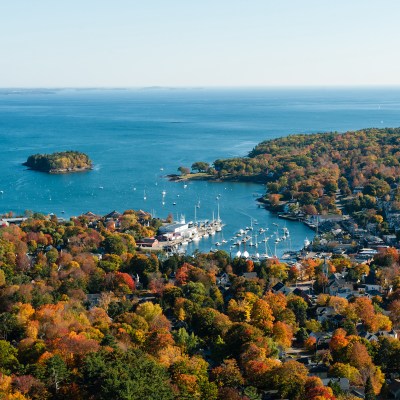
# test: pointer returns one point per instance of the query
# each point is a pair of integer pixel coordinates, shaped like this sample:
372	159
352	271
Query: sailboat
218	228
144	195
265	255
251	241
223	241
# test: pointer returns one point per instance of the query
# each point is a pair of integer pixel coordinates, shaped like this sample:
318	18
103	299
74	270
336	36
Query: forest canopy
311	168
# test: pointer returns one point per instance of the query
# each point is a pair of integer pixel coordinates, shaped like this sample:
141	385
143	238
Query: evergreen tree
369	390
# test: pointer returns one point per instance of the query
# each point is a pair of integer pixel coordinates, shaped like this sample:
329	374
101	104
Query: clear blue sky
129	43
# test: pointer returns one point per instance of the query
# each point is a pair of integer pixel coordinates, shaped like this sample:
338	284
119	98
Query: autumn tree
289	379
261	315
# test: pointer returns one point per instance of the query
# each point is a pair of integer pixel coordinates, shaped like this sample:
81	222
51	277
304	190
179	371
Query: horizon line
197	87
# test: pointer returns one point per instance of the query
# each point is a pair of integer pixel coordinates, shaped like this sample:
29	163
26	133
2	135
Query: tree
2	278
129	376
261	315
148	311
184	170
113	244
358	355
369	390
188	342
394	309
341	370
289	379
8	358
56	372
299	307
283	334
227	374
200	166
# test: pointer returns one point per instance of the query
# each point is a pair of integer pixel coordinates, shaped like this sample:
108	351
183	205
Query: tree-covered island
60	162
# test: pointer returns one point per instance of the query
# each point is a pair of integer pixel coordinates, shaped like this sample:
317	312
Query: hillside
311	168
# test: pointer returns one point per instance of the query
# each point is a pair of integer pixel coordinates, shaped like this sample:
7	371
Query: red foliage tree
127	279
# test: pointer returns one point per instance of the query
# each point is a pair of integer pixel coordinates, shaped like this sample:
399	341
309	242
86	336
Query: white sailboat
265	255
218	228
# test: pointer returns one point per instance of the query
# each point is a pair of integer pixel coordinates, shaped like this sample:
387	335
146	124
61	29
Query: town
321	323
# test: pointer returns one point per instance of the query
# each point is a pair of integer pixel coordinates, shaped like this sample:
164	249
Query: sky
191	43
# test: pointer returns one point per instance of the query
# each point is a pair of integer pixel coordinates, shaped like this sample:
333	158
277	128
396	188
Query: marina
177	236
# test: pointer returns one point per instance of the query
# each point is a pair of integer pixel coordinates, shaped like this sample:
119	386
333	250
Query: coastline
203	176
58	171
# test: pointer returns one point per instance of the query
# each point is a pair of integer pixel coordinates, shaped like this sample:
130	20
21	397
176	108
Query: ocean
135	137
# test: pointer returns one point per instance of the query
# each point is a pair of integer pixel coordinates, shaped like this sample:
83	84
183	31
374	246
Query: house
373	293
319	370
337	282
114	215
143	216
392	334
344	383
148	242
281	288
321	337
371	282
91	216
303	295
250	275
369	336
324	313
177	229
15	221
345	293
223	280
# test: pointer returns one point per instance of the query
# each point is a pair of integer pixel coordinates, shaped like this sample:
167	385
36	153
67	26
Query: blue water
132	134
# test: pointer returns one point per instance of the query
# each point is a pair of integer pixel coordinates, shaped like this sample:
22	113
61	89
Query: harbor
253	242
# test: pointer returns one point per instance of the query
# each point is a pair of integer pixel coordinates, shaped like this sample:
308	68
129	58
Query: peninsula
310	170
60	162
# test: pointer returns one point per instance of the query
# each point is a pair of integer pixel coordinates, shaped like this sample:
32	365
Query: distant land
60	162
309	171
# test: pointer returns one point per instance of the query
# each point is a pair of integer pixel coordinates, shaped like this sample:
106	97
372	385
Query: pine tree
369	390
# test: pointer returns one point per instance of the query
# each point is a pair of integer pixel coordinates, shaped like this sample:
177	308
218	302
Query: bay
137	136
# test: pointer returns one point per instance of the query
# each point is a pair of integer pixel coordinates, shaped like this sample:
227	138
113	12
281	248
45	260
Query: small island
60	162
